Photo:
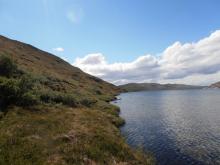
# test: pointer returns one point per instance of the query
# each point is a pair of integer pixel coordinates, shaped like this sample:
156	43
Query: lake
177	126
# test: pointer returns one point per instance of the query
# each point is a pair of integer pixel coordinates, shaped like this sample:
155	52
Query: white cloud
58	49
191	63
75	16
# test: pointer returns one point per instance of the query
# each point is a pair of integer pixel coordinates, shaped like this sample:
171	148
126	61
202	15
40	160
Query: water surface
178	126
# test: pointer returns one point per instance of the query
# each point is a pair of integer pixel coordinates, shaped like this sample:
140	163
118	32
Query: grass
63	117
63	135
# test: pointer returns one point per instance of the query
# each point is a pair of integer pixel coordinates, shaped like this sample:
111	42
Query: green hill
53	113
133	87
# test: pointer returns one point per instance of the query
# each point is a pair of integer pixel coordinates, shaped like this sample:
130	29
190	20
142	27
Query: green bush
26	83
17	91
88	102
20	90
57	97
28	99
9	91
7	66
46	97
98	92
68	100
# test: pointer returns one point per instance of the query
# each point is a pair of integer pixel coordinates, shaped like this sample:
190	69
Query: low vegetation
61	135
46	119
24	90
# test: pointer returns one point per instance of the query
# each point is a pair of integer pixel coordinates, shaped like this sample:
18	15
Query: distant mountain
215	85
132	87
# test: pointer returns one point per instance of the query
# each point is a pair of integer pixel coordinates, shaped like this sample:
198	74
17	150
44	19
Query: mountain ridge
133	87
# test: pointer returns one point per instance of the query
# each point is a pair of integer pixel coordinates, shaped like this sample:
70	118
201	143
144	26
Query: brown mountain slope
215	85
65	77
68	119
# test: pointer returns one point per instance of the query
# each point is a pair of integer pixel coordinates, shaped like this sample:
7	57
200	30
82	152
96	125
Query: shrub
46	97
26	83
68	100
57	97
7	66
17	91
88	102
98	92
9	91
28	99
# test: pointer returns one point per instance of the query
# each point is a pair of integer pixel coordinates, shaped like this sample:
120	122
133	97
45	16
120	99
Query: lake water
177	126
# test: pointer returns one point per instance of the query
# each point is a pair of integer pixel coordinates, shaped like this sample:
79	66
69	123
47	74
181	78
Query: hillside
132	87
215	85
65	77
53	113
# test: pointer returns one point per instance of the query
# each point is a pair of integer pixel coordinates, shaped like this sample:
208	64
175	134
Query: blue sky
122	30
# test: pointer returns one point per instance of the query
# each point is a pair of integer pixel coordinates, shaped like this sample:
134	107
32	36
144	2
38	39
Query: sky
123	41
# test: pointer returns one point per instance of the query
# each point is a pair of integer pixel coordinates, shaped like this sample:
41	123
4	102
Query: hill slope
215	85
132	87
54	113
65	77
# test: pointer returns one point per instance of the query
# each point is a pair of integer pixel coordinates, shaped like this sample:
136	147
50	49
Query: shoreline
135	149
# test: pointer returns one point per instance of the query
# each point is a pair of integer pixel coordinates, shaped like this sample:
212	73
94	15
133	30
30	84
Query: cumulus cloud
58	49
190	63
95	64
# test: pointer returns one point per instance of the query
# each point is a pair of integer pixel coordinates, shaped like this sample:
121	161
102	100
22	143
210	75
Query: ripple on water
178	127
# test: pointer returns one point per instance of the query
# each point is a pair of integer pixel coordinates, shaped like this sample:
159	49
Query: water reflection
177	126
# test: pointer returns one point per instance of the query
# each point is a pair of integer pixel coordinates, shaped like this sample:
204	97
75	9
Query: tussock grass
61	135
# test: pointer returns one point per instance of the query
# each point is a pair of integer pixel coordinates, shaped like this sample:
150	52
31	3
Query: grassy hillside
132	87
62	76
53	113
